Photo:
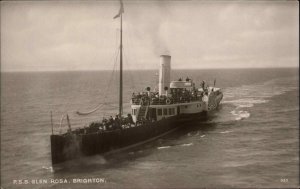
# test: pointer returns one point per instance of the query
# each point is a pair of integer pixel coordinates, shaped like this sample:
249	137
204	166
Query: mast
121	11
121	72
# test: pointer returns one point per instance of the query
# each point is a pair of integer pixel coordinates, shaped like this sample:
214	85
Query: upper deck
152	98
179	92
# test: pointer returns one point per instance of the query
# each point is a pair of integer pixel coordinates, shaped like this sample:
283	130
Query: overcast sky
82	35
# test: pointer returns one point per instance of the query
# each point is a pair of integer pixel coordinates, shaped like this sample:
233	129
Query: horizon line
225	68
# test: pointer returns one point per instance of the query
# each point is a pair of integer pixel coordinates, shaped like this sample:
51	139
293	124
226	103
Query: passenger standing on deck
118	123
203	85
111	119
130	120
110	122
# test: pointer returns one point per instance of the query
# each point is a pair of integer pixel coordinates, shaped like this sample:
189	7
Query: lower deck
71	145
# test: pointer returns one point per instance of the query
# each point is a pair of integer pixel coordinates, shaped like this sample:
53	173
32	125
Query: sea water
252	140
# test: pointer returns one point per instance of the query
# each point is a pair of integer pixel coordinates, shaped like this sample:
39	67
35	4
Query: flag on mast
120	11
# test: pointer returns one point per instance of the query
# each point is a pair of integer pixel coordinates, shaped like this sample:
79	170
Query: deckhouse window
159	112
165	111
133	111
171	111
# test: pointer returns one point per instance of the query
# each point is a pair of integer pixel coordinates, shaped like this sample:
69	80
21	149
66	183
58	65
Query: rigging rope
92	111
61	121
106	91
65	112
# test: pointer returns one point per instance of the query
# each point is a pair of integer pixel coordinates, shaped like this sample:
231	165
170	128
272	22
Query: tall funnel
164	74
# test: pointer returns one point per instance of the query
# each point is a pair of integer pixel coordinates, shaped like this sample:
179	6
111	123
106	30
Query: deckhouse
173	97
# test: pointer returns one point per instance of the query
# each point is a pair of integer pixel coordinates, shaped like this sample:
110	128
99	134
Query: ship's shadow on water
87	164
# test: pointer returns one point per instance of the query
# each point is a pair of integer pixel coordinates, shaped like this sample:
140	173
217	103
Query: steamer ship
153	115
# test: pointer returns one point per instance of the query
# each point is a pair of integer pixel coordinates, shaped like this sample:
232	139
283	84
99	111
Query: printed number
284	180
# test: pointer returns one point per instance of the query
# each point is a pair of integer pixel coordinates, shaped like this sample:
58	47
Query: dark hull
69	146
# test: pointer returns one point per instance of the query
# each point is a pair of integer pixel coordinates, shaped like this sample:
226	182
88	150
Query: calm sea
252	140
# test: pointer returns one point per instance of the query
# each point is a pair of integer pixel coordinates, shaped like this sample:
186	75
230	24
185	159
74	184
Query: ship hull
70	146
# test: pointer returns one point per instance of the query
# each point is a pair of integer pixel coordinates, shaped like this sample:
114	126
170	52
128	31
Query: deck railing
163	100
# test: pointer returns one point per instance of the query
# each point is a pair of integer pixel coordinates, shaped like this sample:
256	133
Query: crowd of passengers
112	124
176	95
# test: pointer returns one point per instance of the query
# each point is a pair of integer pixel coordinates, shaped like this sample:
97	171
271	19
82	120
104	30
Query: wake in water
246	96
240	114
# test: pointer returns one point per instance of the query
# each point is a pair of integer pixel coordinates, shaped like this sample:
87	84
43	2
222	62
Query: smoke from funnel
151	26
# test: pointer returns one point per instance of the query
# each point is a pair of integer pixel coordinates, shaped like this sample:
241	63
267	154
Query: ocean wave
176	145
163	147
48	168
193	134
224	132
287	110
135	152
188	144
238	164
